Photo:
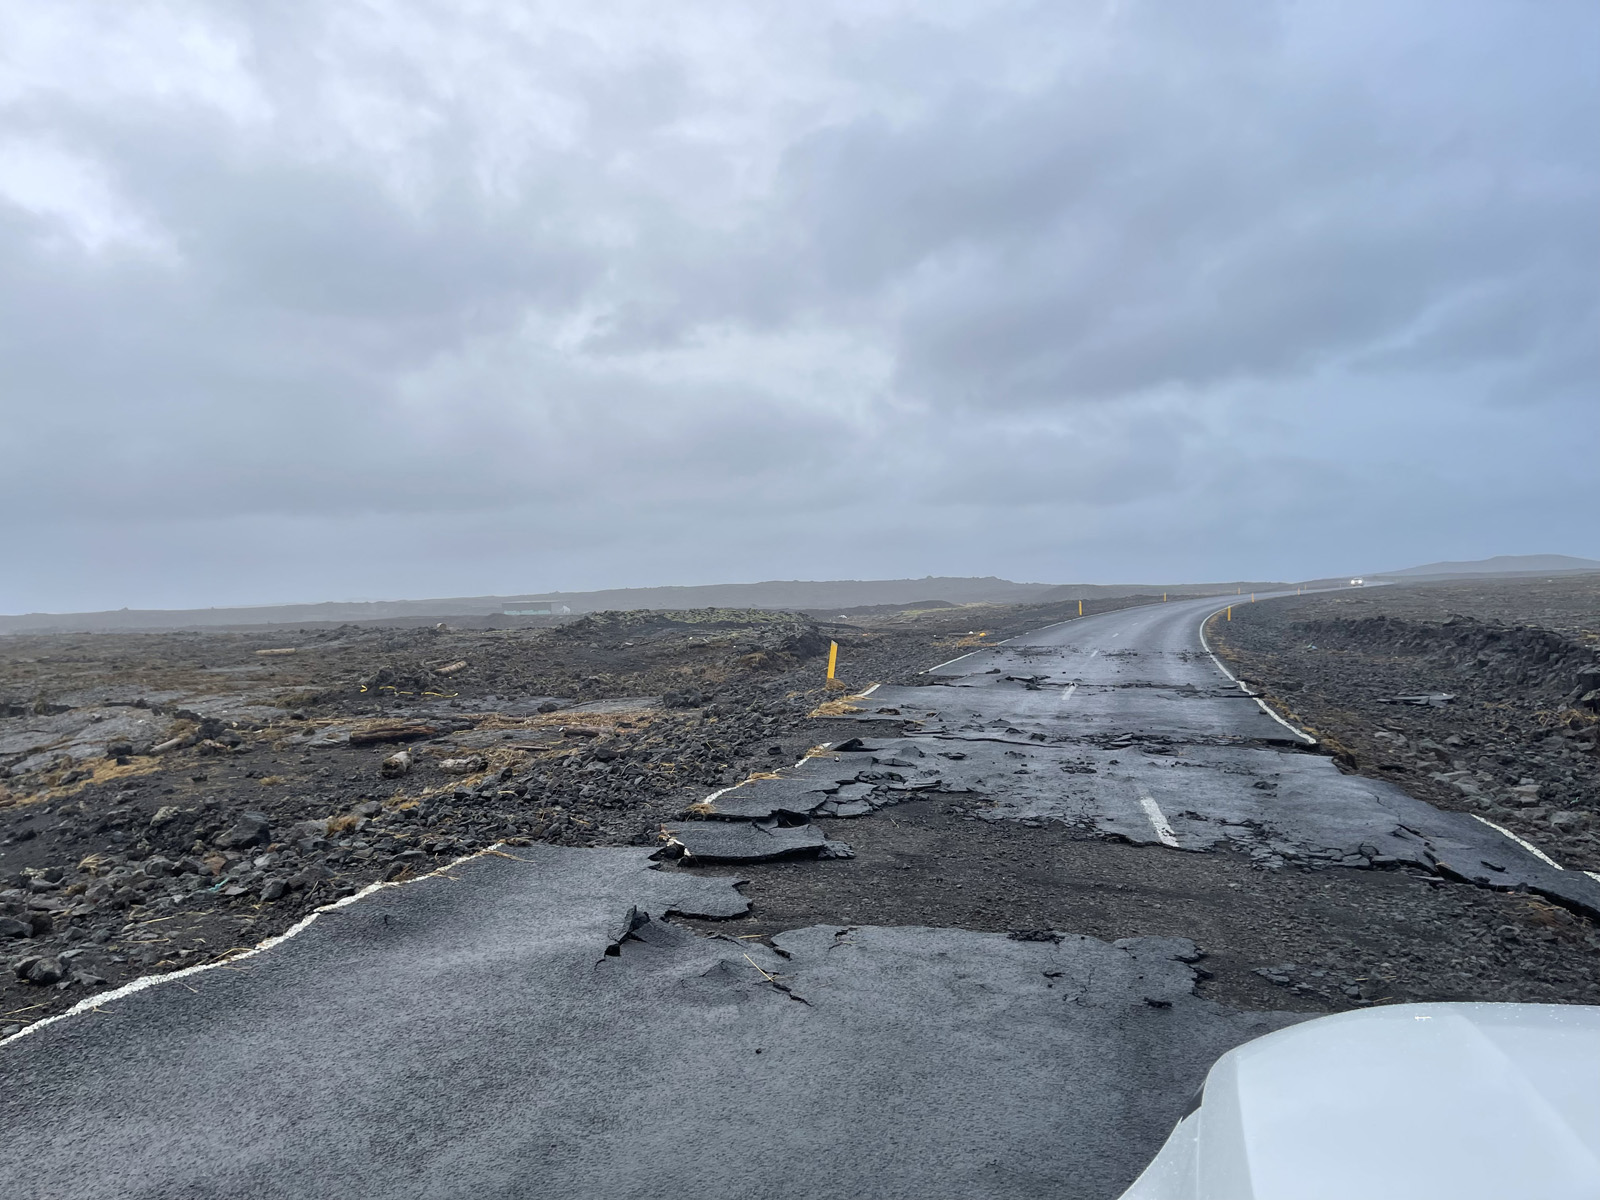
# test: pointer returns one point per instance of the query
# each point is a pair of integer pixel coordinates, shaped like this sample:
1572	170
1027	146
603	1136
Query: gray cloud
320	300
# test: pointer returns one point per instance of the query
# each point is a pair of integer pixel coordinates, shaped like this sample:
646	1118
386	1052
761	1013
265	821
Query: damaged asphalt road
545	1020
519	1028
1123	724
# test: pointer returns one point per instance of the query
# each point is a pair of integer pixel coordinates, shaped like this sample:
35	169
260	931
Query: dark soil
1517	744
118	859
1309	941
207	790
1313	940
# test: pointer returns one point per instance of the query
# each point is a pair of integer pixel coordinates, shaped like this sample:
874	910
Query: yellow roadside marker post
833	659
1252	597
1080	608
1163	597
1230	612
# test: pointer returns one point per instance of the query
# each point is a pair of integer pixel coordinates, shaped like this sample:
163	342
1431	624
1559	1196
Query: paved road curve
1125	723
532	1025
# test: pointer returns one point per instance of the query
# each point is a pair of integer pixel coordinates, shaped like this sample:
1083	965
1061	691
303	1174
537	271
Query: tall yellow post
1080	608
1252	597
833	658
1230	612
1163	597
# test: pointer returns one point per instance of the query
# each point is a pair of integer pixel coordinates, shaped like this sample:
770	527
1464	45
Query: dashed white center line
1092	653
1067	695
1158	821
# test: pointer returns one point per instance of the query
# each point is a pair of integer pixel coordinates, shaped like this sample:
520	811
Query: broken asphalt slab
793	792
750	841
1124	724
469	1034
993	706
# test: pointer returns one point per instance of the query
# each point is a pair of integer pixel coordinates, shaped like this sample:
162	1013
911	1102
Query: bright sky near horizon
311	301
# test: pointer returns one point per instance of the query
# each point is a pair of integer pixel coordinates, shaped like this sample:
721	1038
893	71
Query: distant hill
783	594
1503	564
808	594
827	597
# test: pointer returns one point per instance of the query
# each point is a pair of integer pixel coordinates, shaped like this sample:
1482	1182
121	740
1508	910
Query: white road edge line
1067	695
1526	845
1530	847
1299	733
1158	820
90	1003
803	761
956	659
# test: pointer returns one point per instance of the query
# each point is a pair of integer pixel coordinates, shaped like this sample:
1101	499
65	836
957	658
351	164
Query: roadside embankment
168	798
1480	697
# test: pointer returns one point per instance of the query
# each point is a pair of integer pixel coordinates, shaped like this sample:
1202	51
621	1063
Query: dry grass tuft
102	771
836	708
639	718
1339	751
1542	912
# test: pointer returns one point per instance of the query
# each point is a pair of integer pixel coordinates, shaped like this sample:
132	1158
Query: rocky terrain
1479	696
169	798
1515	655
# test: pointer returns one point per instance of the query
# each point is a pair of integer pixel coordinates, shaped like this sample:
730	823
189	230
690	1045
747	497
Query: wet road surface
1124	724
473	1036
532	1024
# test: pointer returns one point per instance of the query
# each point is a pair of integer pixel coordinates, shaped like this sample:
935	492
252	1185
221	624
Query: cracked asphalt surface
1124	723
517	1026
471	1036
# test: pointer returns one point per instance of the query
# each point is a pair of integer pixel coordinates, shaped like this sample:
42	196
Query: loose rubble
1508	723
166	799
169	799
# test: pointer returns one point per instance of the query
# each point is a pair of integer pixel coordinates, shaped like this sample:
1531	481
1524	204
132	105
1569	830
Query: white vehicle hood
1419	1100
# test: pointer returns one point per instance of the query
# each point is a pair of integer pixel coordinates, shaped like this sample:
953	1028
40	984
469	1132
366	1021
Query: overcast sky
336	300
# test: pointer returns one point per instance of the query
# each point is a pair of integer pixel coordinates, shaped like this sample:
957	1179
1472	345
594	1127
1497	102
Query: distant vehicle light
1357	582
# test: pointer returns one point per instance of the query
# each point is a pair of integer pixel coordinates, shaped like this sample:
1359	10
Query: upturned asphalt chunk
751	841
1124	724
526	1029
535	1025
